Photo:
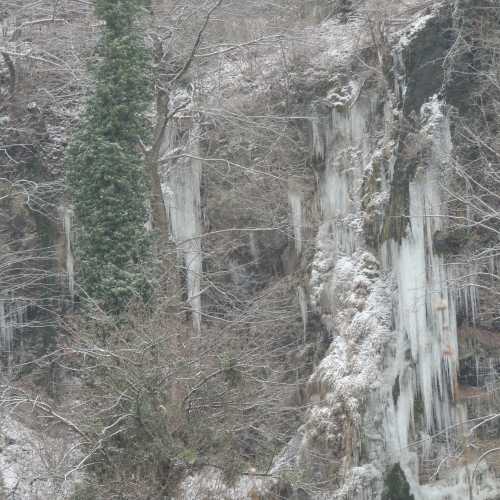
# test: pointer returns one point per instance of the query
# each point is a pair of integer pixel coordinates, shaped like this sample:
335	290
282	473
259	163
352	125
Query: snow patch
33	466
211	484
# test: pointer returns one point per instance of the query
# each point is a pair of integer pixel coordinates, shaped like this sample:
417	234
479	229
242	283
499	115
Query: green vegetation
449	242
396	391
396	486
418	408
105	170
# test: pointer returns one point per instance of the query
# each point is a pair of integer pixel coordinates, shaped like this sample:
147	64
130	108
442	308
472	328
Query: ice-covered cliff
334	330
388	415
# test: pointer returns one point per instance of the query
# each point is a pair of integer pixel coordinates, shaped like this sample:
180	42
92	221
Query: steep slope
333	222
386	414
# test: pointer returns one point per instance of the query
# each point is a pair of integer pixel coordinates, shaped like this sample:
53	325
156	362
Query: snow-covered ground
35	466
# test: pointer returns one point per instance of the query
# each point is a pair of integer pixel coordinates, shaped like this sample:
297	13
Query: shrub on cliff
105	170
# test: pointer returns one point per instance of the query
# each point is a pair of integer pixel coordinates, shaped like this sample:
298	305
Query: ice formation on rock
385	392
351	293
182	191
70	265
12	320
296	200
393	321
304	311
425	310
6	326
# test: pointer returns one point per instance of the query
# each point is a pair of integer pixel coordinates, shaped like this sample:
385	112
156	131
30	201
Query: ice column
6	327
183	198
296	200
425	307
342	140
70	265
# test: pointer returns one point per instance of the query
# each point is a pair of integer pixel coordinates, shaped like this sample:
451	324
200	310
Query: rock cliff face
388	412
333	177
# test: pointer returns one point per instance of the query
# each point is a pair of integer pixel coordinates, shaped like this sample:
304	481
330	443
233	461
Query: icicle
296	199
346	149
6	330
463	278
20	315
317	140
70	265
183	196
254	249
11	316
301	294
426	306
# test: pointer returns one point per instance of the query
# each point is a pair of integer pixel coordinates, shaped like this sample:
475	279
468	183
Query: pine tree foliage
105	169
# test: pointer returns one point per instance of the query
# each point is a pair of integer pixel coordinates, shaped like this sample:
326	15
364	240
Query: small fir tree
105	168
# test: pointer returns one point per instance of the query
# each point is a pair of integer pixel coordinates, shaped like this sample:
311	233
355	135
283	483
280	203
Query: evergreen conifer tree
105	168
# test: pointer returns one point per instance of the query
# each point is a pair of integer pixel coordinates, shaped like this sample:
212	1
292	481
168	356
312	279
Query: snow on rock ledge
34	466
